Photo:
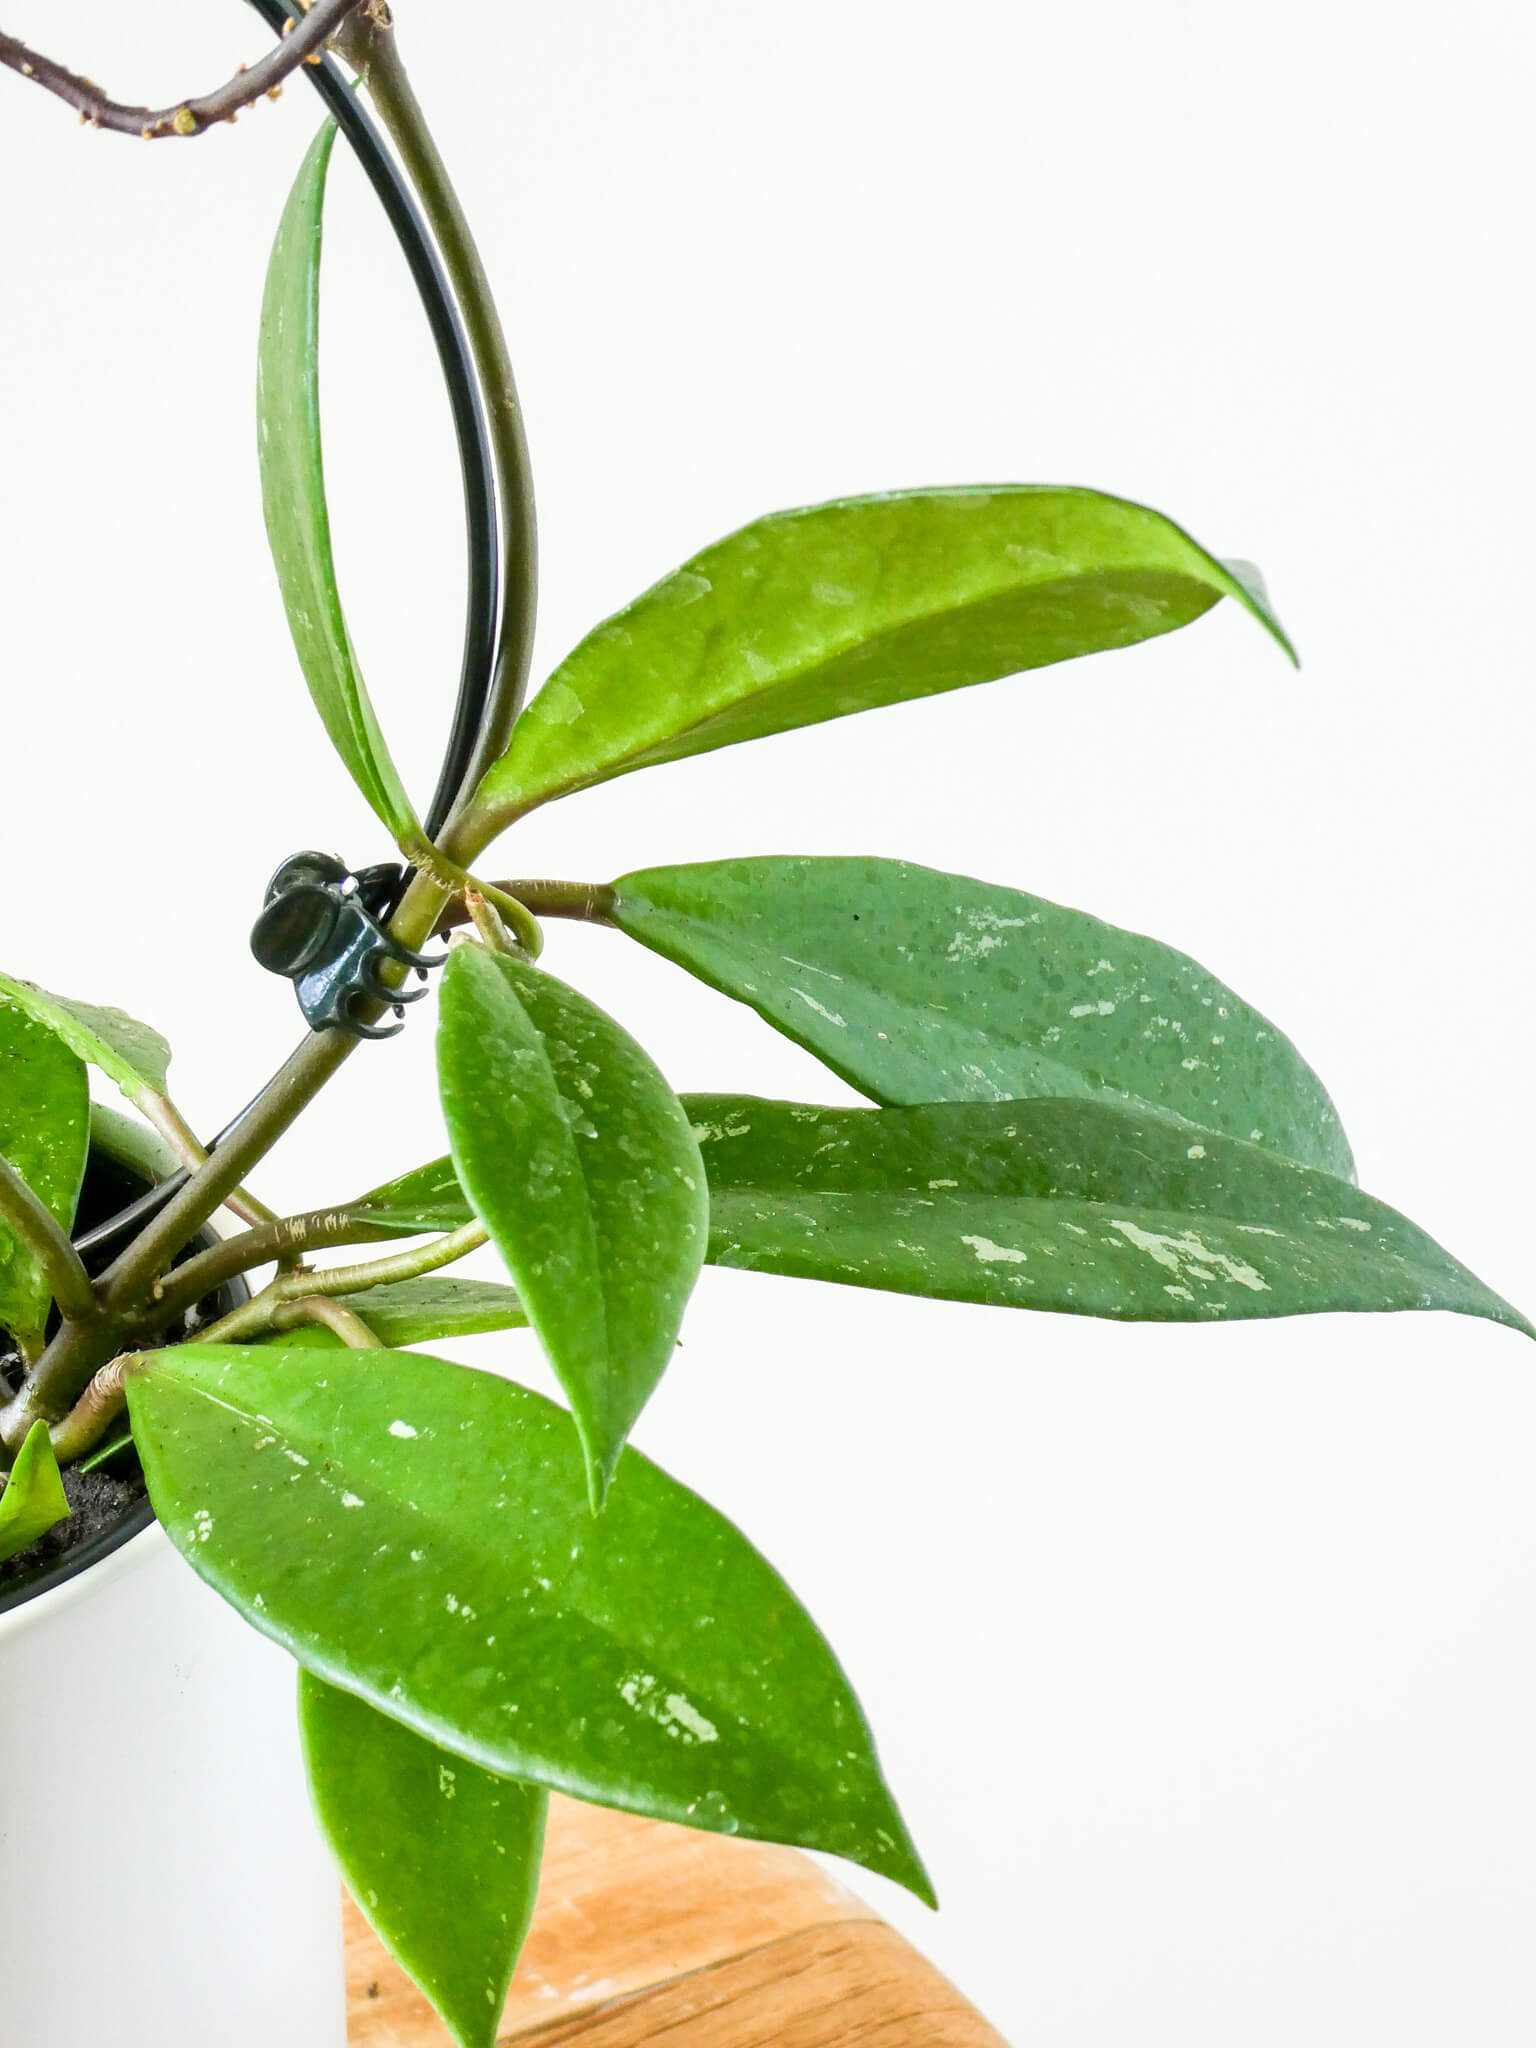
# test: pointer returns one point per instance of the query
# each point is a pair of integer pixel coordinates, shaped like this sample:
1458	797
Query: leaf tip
600	1470
905	1867
1252	593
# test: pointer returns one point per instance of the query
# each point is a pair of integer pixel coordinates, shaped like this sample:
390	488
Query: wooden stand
645	1931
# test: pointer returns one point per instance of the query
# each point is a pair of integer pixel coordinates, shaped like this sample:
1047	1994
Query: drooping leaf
418	1311
127	1052
419	1534
813	614
441	1856
579	1160
44	1133
1081	1207
293	497
918	986
33	1498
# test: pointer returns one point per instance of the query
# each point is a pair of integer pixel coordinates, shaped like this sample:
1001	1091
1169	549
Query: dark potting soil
97	1500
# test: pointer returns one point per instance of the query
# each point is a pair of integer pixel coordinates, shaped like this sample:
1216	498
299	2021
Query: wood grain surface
645	1931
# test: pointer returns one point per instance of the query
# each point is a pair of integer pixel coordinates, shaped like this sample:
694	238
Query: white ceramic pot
163	1883
162	1880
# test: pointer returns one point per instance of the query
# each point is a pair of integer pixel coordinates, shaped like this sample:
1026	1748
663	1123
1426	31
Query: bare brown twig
308	30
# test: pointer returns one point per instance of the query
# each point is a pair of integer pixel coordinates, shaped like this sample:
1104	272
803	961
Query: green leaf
917	986
419	1534
293	497
126	1051
428	1199
33	1499
441	1856
1082	1207
417	1311
44	1133
839	608
579	1160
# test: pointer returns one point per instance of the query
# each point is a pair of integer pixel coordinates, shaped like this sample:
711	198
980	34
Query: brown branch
316	22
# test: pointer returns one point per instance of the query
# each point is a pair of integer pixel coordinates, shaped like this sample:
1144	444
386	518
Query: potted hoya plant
229	1448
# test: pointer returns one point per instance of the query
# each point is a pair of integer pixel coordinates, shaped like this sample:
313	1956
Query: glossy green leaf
127	1052
418	1311
814	614
437	1305
579	1160
419	1534
33	1498
917	986
44	1133
426	1200
293	496
1082	1207
441	1856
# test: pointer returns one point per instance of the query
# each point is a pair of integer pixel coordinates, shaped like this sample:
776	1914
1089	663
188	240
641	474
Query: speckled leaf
418	1311
837	608
579	1160
441	1856
419	1534
44	1133
293	496
33	1499
918	986
127	1052
1082	1207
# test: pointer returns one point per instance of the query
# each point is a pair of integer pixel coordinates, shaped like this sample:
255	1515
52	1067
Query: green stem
411	1265
47	1241
288	1240
372	51
92	1415
341	1322
487	921
590	901
189	1149
260	1312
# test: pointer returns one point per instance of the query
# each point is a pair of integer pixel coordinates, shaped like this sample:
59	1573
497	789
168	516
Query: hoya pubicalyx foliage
489	1597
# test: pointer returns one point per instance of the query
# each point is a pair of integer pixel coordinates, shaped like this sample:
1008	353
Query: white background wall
1200	1659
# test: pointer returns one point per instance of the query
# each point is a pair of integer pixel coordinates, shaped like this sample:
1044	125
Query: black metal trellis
483	601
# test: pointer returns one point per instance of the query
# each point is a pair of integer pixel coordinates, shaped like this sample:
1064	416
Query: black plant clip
322	928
